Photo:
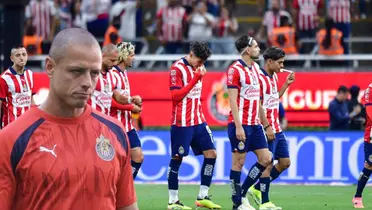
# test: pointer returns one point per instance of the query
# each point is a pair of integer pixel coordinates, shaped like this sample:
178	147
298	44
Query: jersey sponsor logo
251	92
272	102
104	99
22	100
367	94
104	149
195	91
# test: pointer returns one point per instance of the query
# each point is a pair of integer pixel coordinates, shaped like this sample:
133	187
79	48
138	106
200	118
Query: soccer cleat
246	204
256	195
177	206
358	203
206	203
269	206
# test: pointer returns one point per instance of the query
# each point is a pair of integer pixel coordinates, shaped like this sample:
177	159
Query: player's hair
273	53
109	48
15	47
243	42
342	89
201	50
125	49
71	37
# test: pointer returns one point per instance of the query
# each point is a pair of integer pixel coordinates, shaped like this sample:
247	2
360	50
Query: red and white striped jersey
102	96
270	99
16	91
41	13
223	26
307	11
123	86
339	10
188	111
172	18
367	100
246	80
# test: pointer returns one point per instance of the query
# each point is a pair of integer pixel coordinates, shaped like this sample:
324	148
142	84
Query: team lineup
79	148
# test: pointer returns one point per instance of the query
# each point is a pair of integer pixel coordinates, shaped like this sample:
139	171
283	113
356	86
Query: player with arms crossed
244	129
16	87
106	89
188	124
124	112
367	170
278	146
64	154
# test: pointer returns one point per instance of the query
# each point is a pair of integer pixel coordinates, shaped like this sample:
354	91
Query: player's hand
136	109
357	109
201	71
240	134
137	100
270	133
290	78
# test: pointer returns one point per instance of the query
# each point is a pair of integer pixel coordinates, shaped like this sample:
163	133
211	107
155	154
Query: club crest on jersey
181	150
104	148
25	88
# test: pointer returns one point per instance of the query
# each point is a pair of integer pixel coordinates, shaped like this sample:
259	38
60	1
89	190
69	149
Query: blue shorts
279	146
256	138
134	139
199	137
368	153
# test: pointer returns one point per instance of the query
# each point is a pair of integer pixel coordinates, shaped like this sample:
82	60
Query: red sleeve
320	4
160	13
126	194
295	4
175	79
369	111
233	78
3	89
115	104
7	180
367	99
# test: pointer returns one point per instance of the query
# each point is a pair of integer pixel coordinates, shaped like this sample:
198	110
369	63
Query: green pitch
294	197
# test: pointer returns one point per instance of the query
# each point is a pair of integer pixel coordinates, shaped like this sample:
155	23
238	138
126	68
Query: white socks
203	192
173	196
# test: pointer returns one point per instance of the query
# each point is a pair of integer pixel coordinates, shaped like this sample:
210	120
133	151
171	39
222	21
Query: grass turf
289	197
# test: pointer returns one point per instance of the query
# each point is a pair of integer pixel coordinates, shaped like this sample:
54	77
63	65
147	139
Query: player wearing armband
188	124
278	146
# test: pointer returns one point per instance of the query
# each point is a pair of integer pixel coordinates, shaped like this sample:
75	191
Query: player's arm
265	123
290	79
177	91
127	107
120	98
7	179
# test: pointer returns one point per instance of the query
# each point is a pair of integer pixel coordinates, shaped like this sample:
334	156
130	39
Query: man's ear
49	66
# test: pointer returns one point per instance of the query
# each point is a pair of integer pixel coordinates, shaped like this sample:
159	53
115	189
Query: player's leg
258	144
180	143
239	150
135	151
364	176
203	143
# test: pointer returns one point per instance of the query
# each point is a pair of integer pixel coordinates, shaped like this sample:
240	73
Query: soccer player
367	170
124	113
16	87
188	124
244	129
274	61
106	89
64	154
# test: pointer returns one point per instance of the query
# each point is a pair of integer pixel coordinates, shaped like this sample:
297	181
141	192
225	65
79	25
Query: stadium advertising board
317	158
306	101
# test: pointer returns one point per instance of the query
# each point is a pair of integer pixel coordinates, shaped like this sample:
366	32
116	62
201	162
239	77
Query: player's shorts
199	137
368	153
279	147
256	138
134	139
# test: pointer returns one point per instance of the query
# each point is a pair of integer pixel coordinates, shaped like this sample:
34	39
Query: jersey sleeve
160	13
368	96
7	180
233	78
175	78
295	4
126	194
3	89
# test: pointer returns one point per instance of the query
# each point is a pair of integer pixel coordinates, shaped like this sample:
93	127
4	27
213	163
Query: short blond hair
125	49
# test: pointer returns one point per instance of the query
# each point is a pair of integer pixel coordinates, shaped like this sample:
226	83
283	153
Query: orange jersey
65	163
